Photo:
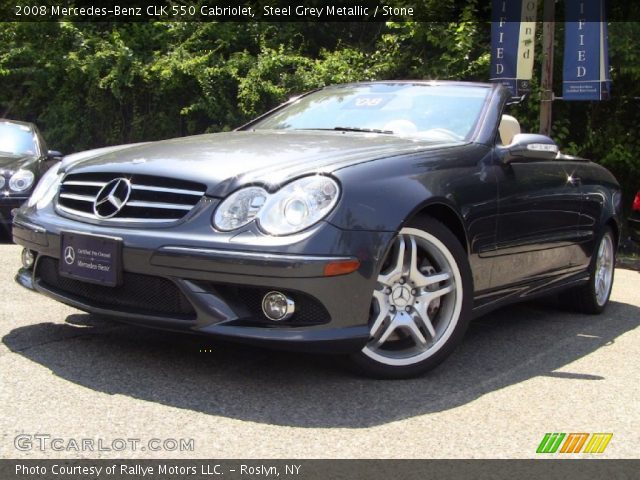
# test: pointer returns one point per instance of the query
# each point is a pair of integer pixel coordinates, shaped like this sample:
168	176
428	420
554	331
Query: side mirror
53	157
530	147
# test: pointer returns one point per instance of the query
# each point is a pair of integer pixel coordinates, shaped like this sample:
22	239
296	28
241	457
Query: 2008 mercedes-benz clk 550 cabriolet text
368	219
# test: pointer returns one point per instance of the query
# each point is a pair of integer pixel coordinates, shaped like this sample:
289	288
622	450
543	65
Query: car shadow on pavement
192	372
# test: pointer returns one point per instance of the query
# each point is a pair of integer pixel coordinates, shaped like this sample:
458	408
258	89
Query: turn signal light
340	267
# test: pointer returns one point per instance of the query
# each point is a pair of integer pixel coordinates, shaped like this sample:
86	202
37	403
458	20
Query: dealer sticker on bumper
91	258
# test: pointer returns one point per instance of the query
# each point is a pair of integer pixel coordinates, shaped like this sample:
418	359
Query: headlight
293	208
46	188
240	208
21	180
299	205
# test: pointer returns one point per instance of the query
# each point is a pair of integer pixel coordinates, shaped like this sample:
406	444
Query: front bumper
213	285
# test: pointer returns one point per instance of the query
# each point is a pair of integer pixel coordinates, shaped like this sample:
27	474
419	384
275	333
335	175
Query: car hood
13	162
225	160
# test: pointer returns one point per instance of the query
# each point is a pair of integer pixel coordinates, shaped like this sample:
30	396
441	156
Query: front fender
383	195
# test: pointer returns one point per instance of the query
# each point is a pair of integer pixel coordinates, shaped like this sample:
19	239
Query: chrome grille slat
78	213
168	206
150	188
86	184
151	199
74	196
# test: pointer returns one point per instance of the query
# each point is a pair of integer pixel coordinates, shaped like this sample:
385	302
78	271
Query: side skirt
528	291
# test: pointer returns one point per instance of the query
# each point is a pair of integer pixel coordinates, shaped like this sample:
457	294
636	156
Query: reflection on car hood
223	160
13	162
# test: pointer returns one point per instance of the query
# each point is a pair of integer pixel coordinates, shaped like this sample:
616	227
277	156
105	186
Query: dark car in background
370	219
23	159
634	218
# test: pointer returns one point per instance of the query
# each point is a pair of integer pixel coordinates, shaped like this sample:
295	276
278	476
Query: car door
539	205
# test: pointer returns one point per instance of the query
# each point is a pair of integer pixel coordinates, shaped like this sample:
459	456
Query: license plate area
91	258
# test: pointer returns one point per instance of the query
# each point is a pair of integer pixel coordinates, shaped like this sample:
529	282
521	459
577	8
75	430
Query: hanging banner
513	29
586	56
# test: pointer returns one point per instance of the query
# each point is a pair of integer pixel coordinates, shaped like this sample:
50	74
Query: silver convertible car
373	220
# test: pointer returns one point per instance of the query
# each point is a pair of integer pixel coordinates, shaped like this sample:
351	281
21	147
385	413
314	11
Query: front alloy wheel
420	303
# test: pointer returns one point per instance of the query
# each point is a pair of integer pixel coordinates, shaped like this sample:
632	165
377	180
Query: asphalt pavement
88	386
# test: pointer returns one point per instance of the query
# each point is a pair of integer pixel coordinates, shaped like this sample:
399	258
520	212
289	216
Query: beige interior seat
509	128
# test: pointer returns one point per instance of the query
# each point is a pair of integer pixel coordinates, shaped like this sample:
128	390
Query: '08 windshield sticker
371	101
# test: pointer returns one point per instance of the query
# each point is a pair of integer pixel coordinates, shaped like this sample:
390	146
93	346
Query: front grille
142	294
151	198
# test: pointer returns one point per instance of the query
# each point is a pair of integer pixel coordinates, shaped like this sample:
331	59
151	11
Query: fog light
277	306
28	258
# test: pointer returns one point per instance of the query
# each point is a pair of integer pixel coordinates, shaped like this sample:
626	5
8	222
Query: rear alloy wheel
420	305
593	297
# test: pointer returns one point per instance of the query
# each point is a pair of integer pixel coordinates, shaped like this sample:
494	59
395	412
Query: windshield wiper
367	130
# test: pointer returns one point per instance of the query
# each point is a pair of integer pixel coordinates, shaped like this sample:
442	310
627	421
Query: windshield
17	139
420	111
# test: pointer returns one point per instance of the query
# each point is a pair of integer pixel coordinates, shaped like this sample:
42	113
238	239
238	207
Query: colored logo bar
574	443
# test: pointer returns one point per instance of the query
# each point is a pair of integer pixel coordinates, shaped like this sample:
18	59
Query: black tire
584	298
363	362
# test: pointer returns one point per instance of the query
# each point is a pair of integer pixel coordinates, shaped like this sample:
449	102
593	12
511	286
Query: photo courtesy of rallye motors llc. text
142	471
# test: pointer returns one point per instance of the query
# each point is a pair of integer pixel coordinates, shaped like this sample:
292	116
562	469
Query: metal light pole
546	83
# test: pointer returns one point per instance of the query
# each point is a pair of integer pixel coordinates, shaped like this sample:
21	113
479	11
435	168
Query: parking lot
521	372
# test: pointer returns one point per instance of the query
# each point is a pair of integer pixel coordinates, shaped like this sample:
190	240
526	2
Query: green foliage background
94	84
